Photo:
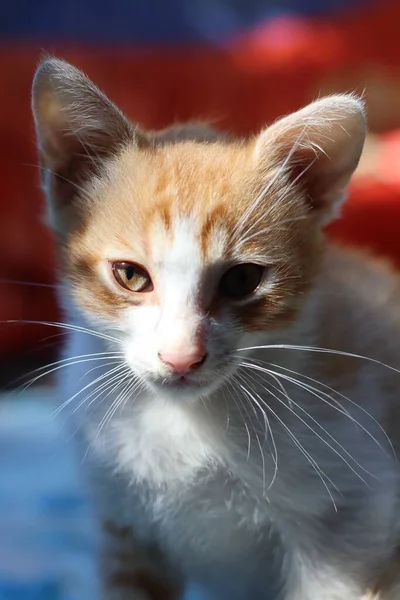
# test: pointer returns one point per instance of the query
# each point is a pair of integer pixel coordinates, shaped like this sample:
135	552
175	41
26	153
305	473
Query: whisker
257	382
275	375
269	228
274	456
110	413
230	385
108	386
318	350
28	283
90	384
336	404
257	438
57	362
266	189
282	197
227	408
68	364
339	407
113	375
320	436
61	325
306	454
131	387
79	188
116	381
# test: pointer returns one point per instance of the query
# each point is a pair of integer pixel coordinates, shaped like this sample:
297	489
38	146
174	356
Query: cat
231	374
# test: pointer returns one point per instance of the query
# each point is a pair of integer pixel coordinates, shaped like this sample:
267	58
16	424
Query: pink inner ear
305	171
319	148
311	179
77	128
321	175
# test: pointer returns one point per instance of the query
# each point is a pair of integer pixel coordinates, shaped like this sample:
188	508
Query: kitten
226	367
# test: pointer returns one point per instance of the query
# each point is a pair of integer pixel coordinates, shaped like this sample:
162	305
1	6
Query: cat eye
241	280
132	277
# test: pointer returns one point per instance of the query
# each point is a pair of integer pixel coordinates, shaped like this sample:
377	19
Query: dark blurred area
241	63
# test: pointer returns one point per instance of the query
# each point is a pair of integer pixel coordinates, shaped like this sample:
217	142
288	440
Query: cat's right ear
316	149
78	128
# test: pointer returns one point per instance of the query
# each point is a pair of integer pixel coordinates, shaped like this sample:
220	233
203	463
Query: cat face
186	245
164	259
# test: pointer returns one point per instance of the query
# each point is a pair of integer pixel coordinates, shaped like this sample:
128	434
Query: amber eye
241	280
132	277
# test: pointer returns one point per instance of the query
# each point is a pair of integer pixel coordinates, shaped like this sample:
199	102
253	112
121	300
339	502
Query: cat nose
183	361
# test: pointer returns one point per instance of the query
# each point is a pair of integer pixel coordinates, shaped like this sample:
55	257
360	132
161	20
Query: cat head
183	242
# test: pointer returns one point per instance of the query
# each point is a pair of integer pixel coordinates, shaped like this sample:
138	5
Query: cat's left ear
78	128
317	149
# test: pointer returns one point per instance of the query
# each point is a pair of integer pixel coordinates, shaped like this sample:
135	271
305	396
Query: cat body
231	376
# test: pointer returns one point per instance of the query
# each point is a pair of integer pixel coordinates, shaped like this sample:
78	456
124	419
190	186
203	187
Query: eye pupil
129	272
241	280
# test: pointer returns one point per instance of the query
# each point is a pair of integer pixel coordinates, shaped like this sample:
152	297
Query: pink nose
182	362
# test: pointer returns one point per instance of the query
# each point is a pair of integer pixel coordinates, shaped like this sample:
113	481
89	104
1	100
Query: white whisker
88	385
118	401
265	190
230	384
62	366
340	408
306	454
117	374
97	395
330	436
257	438
68	326
273	450
320	350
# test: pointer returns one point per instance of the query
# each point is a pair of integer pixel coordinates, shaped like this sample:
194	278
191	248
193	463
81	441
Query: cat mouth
180	383
183	382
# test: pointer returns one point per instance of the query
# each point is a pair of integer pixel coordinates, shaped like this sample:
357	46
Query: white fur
183	474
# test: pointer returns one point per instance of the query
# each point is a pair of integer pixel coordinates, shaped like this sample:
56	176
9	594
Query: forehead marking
213	232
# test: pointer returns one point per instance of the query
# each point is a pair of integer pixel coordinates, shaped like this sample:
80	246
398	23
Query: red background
271	70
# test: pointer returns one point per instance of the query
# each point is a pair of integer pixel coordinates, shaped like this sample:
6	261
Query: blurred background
240	62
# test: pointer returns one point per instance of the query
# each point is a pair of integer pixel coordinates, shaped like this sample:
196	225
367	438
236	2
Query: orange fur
213	186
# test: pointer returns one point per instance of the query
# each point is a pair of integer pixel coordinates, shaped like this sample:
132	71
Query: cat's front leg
131	571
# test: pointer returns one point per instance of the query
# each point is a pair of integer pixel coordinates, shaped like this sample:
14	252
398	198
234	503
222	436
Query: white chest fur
163	443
